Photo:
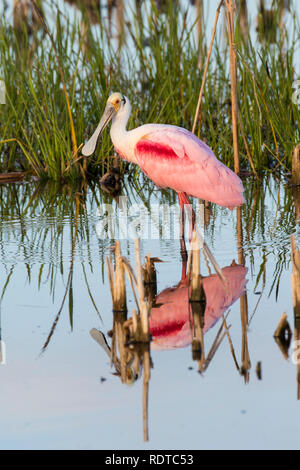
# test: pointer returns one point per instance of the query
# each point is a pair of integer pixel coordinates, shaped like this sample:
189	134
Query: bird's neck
118	128
119	135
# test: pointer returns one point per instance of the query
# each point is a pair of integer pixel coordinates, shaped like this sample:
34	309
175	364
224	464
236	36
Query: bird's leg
183	252
184	257
184	201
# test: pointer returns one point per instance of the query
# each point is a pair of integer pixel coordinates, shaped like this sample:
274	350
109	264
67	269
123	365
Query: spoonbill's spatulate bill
170	156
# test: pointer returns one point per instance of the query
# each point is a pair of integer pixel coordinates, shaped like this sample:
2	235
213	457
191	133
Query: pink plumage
173	157
170	156
170	319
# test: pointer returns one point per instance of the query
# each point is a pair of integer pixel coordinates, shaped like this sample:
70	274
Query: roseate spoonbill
172	157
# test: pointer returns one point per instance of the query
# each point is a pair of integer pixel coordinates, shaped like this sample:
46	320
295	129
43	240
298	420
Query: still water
57	387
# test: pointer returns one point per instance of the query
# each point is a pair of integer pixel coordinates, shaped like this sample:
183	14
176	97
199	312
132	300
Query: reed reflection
172	319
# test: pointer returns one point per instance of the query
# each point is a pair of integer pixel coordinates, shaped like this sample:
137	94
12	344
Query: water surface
67	396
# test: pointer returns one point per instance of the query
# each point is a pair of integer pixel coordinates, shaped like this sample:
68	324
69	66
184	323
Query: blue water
67	396
59	399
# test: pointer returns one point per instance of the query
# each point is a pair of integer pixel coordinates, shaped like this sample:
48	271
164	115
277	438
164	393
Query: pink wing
170	320
175	158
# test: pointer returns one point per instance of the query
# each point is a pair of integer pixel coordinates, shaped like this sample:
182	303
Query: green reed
159	67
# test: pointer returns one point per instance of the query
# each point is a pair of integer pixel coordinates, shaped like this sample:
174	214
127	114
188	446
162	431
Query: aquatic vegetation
40	220
159	63
62	248
51	254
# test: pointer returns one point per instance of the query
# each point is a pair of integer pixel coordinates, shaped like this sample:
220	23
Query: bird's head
117	101
115	106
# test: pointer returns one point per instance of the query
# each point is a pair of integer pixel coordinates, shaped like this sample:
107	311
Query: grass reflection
47	227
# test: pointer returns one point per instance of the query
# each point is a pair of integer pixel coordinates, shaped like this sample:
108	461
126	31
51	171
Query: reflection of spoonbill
170	319
170	156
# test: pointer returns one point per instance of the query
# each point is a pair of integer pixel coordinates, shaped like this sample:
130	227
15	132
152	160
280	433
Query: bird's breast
121	153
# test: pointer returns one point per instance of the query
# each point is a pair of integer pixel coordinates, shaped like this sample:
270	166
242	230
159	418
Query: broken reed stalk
118	294
146	376
119	335
296	165
295	281
149	272
245	359
141	292
145	409
117	280
73	133
295	278
239	236
296	353
119	299
150	280
206	67
198	303
230	17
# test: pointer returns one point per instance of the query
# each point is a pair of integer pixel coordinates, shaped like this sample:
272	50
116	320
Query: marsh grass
157	67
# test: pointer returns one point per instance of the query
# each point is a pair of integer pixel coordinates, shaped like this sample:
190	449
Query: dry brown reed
230	18
131	336
296	165
197	304
295	281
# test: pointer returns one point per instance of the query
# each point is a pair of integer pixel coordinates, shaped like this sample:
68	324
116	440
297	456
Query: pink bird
172	157
170	319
